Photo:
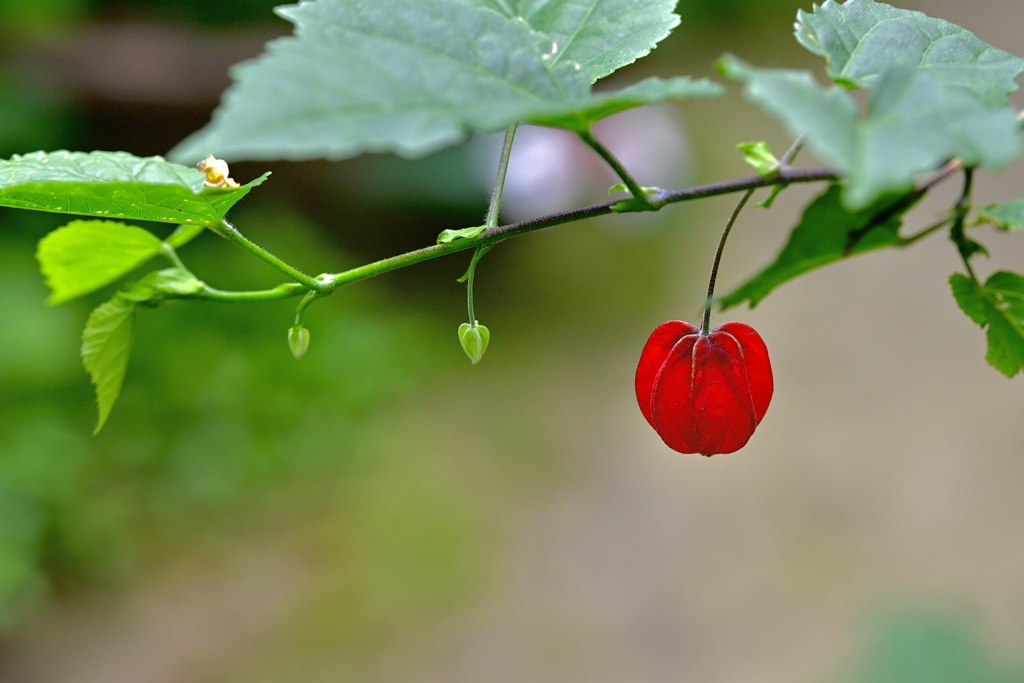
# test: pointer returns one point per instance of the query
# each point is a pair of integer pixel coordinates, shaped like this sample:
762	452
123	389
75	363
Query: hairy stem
183	235
499	180
229	231
493	210
620	170
285	290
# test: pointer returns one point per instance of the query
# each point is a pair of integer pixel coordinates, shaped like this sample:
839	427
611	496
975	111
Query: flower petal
723	410
653	357
755	360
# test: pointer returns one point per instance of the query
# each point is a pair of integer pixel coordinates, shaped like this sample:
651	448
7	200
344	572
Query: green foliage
419	76
827	232
922	648
913	123
760	157
602	36
447	236
110	330
217	423
580	115
106	346
84	256
109	184
861	40
997	306
1006	215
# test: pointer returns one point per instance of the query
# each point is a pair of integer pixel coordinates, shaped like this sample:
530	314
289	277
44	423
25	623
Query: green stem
171	255
705	325
183	235
966	246
499	181
229	231
304	304
470	275
285	290
793	150
934	227
493	210
503	232
634	187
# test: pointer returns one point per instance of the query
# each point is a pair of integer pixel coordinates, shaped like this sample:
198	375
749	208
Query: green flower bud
474	339
298	340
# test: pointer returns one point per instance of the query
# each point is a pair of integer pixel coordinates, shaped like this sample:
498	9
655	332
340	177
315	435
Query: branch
492	235
325	284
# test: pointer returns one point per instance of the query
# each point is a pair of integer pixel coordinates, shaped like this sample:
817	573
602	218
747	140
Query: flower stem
493	210
705	325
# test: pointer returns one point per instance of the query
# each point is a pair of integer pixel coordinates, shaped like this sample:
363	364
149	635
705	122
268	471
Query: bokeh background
383	511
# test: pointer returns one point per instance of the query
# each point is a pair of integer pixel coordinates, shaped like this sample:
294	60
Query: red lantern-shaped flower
704	393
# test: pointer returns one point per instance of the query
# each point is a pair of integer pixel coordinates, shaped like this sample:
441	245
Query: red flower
704	393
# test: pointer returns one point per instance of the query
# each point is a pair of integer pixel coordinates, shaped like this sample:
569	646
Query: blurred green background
383	511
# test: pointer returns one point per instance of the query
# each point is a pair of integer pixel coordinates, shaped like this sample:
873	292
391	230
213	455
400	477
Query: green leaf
84	256
969	297
171	281
631	204
828	232
580	115
862	39
106	345
447	236
114	184
760	157
911	126
1006	215
998	306
600	35
1004	308
404	76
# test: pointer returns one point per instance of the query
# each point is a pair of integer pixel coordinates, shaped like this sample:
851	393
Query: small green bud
298	340
447	236
758	155
474	339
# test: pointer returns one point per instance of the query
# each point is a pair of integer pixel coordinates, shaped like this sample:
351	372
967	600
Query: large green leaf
403	76
83	256
115	185
106	345
862	39
912	125
828	232
998	306
600	35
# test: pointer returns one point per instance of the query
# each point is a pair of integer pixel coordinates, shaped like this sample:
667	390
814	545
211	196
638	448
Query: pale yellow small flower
217	173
